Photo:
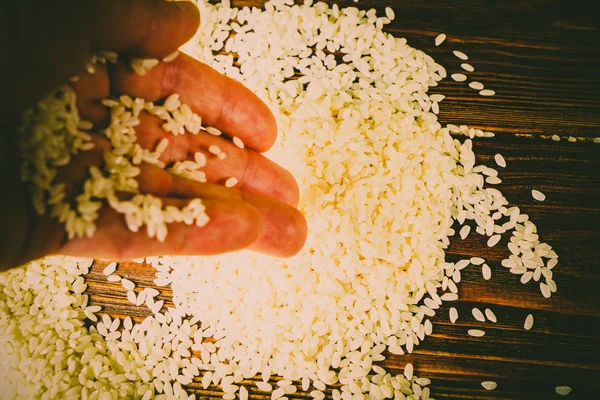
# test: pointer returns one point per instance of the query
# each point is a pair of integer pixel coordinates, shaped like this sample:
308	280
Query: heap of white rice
382	182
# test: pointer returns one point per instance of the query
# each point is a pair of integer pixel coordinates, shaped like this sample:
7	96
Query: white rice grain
131	297
408	371
453	314
486	271
439	39
171	56
476	260
490	315
243	393
493	180
389	13
460	55
528	322
464	231
214	150
264	386
449	297
493	240
477	314
537	195
500	161
489	385
459	77
476	332
467	67
110	268
127	284
213	131
238	142
563	390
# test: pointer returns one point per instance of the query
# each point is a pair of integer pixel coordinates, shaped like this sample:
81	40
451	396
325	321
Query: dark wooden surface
543	59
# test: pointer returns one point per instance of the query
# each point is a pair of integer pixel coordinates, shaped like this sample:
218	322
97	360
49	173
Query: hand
259	213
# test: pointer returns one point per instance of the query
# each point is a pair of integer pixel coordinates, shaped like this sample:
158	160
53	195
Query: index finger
221	102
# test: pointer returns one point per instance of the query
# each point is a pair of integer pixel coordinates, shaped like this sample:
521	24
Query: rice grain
528	322
459	77
238	142
460	55
439	39
537	195
477	314
476	332
493	240
486	271
563	390
453	314
489	385
110	268
467	67
500	161
490	315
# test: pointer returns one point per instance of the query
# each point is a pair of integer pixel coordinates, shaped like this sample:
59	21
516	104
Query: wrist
13	205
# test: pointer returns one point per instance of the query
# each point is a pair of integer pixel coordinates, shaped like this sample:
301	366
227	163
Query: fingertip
268	125
190	20
190	10
245	115
285	227
236	225
297	232
171	25
292	196
142	28
264	177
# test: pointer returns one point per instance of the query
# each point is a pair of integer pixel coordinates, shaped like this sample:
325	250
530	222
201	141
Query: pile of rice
382	183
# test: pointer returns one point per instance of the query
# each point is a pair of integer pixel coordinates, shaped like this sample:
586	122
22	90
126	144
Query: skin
259	213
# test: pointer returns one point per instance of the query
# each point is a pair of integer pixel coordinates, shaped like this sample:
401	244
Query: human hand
258	214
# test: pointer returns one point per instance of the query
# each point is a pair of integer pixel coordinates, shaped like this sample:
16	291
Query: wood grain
542	57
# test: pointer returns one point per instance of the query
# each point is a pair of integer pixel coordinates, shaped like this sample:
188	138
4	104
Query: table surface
542	57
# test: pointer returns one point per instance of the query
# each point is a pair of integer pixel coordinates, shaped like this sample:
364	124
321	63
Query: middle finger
254	172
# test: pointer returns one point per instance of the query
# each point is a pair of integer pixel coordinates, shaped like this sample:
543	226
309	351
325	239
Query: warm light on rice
374	167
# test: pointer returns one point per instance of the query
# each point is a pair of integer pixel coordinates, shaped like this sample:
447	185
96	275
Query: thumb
54	40
142	28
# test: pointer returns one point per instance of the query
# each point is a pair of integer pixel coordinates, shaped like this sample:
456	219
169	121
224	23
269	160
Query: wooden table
542	57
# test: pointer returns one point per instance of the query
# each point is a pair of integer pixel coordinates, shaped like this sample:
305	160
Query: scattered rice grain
537	195
439	39
528	322
489	385
460	55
